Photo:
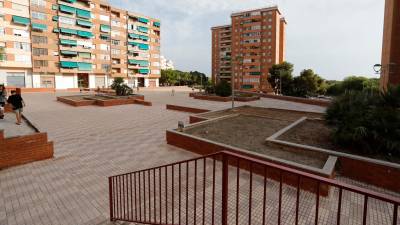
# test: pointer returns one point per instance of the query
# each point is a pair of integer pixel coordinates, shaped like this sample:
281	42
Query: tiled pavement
92	143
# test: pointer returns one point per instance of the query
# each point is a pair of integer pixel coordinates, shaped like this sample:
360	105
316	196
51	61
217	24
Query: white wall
36	80
146	82
92	81
157	83
65	81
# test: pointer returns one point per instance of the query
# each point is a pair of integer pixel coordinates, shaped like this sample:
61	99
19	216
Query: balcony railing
228	188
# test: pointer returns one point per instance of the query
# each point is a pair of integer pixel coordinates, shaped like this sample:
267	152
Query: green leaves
367	122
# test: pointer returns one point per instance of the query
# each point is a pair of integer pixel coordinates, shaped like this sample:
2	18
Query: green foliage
121	89
367	122
307	84
2	54
223	89
284	71
353	83
177	77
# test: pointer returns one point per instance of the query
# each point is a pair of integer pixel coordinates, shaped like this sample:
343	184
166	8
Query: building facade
166	64
246	49
67	44
390	70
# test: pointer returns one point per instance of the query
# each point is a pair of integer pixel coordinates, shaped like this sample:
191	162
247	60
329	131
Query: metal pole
280	81
233	90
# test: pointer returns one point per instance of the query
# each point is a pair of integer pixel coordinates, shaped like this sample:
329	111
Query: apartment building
390	70
246	49
65	44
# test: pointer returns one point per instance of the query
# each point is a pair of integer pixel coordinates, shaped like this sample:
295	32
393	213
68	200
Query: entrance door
152	83
16	80
141	81
100	81
47	81
83	80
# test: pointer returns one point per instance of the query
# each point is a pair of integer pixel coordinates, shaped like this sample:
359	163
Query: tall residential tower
65	44
246	49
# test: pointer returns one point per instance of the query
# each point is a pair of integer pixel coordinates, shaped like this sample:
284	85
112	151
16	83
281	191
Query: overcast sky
334	38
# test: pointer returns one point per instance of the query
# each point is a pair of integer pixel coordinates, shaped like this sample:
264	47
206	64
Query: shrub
367	122
121	89
223	89
210	89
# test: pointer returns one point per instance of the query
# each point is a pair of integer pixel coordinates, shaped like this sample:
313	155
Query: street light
377	68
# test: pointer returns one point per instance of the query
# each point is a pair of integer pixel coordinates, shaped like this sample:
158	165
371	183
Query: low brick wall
24	149
324	103
105	103
114	102
204	148
142	102
212	98
247	99
30	90
76	103
186	109
195	119
378	175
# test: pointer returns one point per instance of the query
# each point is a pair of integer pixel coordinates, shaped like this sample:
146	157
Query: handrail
153	191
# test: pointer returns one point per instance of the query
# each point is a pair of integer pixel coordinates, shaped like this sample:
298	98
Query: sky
334	38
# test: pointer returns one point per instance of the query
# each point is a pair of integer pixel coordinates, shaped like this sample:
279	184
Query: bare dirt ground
236	131
264	112
316	133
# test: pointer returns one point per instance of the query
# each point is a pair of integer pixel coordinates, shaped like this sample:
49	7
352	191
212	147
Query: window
115	51
1	30
39	15
23	46
115	23
104	47
155	72
20	33
19	7
23	58
39	39
1	4
66	20
104	18
38	3
115	42
39	51
40	63
115	33
105	67
156	56
16	79
104	57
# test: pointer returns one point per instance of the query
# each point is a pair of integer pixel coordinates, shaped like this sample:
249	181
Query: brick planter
139	99
186	109
203	147
212	98
24	149
375	172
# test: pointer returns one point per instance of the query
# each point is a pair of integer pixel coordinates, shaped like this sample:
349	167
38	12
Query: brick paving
8	124
92	143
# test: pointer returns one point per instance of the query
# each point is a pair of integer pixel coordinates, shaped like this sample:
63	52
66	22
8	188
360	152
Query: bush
223	89
121	89
367	122
210	89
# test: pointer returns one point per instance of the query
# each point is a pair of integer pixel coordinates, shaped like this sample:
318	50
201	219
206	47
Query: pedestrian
3	97
173	92
18	104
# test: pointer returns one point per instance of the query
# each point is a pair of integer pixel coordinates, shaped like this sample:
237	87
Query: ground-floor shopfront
26	79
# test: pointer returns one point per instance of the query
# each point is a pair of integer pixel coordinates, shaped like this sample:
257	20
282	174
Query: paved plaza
92	143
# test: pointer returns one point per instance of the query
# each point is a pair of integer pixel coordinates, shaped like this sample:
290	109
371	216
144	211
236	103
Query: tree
307	84
121	89
283	70
352	83
367	122
223	89
2	54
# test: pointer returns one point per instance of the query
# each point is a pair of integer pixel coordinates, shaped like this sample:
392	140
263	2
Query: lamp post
377	68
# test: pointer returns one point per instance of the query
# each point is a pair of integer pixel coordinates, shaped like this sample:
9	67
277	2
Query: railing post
225	175
111	199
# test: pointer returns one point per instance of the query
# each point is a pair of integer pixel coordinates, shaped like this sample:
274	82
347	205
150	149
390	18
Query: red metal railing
228	188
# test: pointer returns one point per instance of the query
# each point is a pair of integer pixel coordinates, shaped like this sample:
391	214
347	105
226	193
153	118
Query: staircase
228	188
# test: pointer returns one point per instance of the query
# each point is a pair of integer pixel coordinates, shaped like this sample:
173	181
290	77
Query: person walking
3	98
18	104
